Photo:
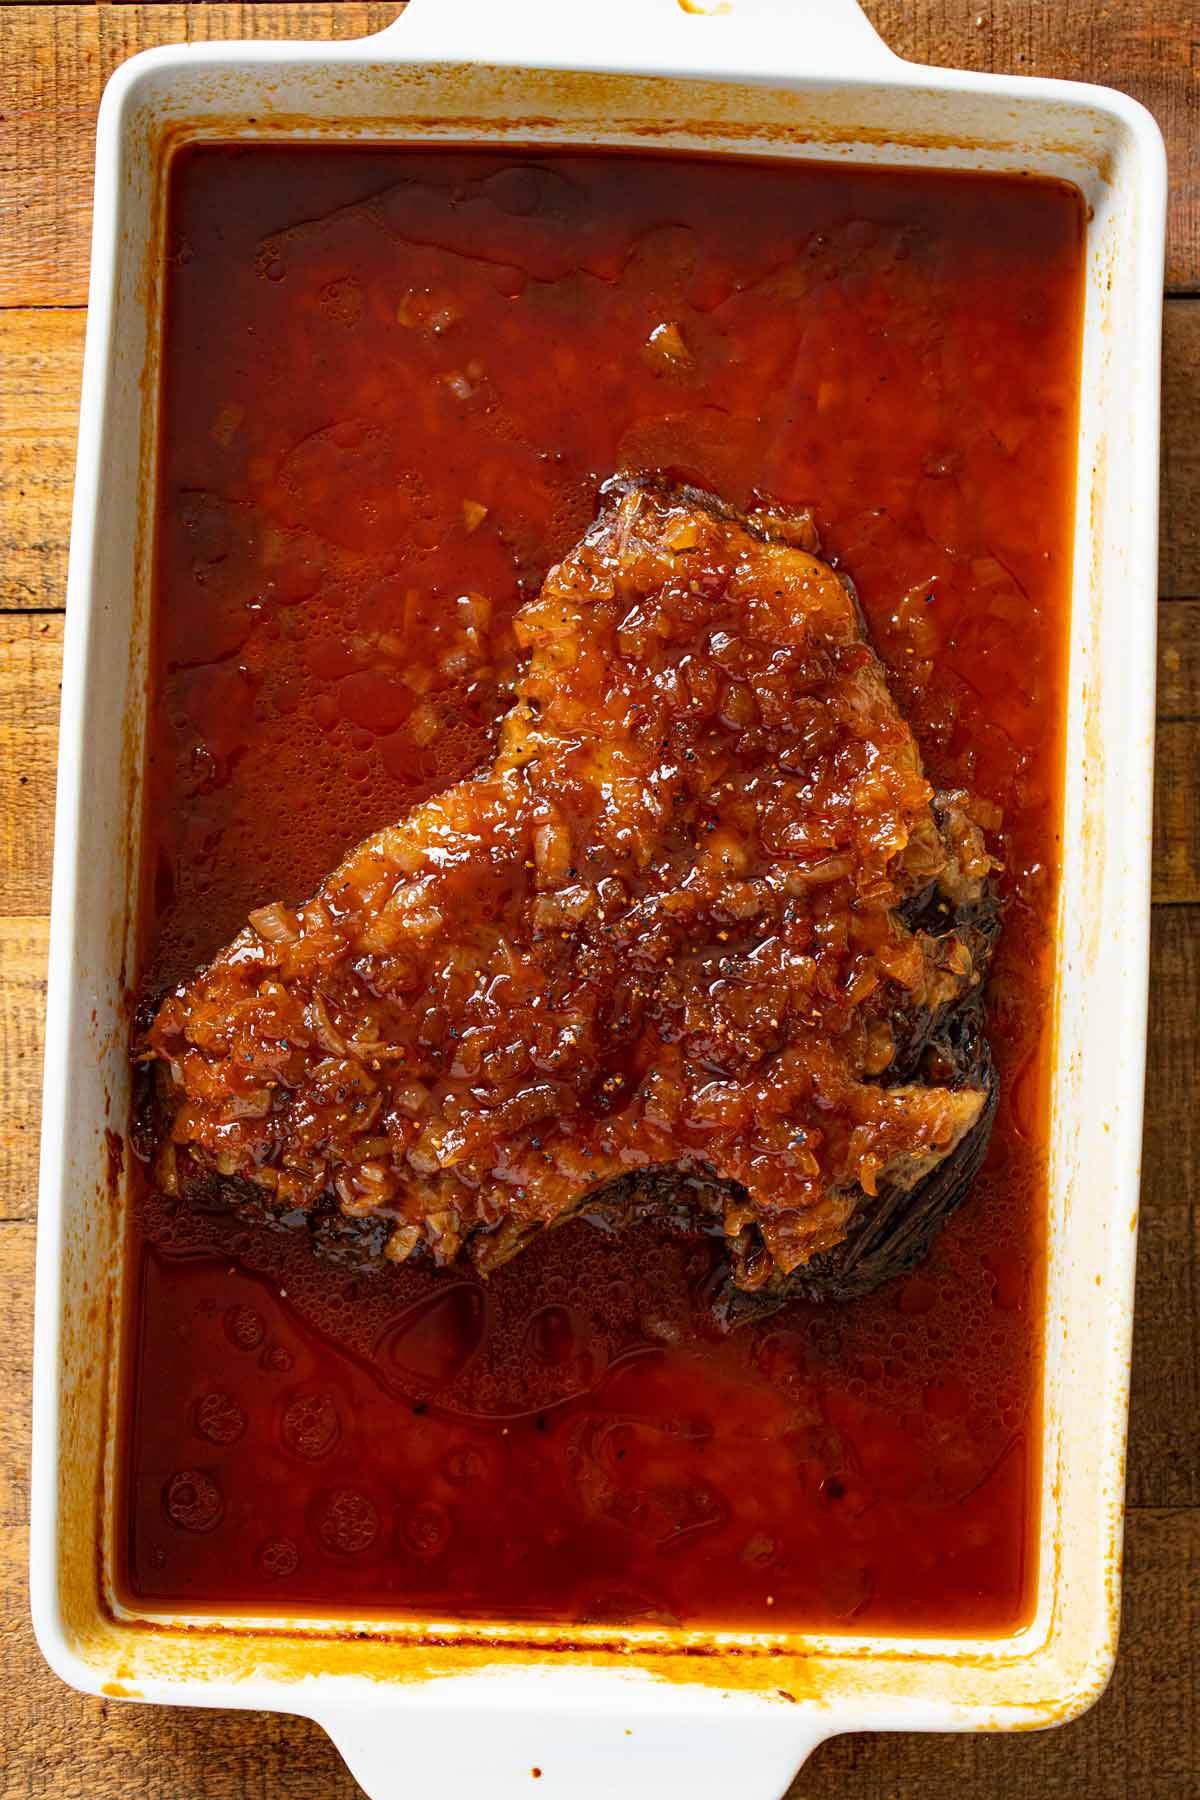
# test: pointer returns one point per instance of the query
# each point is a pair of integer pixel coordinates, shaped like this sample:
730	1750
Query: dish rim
190	64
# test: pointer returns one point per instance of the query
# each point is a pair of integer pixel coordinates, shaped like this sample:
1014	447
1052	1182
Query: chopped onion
423	724
665	349
275	923
321	1025
552	851
403	1242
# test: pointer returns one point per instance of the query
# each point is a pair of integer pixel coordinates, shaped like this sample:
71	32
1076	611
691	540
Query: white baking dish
657	1708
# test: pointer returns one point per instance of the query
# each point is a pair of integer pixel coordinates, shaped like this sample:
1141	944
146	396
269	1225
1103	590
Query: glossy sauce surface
393	379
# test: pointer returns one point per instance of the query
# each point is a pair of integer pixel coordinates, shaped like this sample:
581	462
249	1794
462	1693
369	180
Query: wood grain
49	94
30	658
1179	661
23	949
1179	505
1163	1467
54	60
1177	813
41	356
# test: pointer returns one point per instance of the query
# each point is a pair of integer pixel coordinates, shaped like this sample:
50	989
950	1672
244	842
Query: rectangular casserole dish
437	1700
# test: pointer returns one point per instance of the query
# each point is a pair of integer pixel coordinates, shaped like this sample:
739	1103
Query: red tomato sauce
394	378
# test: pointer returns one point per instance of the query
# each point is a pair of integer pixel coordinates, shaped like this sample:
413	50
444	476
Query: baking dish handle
760	39
724	1745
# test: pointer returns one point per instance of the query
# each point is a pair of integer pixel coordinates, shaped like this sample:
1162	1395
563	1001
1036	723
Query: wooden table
1141	1741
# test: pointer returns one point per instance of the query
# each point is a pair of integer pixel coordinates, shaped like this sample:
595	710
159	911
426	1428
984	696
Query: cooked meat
700	937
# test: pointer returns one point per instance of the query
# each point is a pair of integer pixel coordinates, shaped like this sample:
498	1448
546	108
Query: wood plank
30	659
133	25
1171	1143
41	356
41	353
49	93
1179	504
1177	755
1163	1468
1179	661
56	58
1165	1383
23	947
1177	813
